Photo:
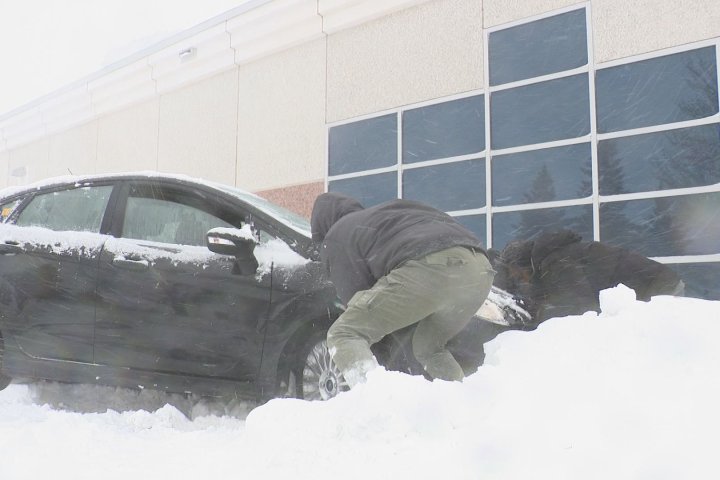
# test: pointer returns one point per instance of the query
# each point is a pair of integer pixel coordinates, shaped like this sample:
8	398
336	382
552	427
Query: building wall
4	161
128	139
197	129
29	162
625	28
425	52
261	126
281	127
73	151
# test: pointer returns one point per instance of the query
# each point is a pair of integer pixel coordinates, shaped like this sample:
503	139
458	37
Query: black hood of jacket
328	209
548	243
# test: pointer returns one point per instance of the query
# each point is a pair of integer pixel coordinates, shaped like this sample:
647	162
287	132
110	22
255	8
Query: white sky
47	44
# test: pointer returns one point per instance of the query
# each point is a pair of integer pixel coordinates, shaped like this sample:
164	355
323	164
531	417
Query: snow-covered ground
632	393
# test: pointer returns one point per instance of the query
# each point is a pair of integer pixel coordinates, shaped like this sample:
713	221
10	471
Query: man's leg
468	284
371	315
407	295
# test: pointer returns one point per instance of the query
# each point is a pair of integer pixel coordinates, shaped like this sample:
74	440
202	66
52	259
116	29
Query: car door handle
130	264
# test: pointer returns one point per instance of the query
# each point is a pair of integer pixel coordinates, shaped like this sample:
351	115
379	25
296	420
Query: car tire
4	379
317	376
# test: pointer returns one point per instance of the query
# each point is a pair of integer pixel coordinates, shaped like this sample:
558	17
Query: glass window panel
77	210
363	145
542	112
476	224
550	45
688	157
527	224
369	190
168	222
7	209
702	280
668	226
673	88
447	187
542	175
447	129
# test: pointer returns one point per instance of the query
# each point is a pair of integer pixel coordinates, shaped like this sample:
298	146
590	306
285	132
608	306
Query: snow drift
631	393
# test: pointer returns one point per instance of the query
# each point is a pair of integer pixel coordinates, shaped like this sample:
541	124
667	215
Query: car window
78	209
170	216
7	209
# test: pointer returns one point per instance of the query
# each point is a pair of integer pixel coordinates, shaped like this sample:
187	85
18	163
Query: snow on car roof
292	220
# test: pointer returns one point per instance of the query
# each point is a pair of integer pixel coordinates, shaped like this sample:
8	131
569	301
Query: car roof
288	218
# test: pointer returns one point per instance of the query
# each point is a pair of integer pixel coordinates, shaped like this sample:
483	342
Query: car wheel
4	379
319	378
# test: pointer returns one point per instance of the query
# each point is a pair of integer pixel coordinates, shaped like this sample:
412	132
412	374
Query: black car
166	282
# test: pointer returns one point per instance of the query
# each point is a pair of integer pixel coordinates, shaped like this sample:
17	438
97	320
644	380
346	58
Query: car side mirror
237	243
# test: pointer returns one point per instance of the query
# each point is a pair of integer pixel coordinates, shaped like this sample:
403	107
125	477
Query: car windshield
292	220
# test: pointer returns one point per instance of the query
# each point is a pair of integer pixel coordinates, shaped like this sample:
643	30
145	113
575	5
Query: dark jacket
568	274
360	245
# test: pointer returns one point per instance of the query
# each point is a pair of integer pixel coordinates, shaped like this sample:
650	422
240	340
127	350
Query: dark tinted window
476	224
369	190
669	226
448	187
542	175
529	223
77	210
539	48
702	280
444	130
363	145
542	112
166	215
662	90
687	157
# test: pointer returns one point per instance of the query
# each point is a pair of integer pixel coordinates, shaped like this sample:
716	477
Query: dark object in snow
558	274
113	280
394	265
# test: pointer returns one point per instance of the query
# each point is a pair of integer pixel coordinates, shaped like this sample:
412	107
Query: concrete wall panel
128	139
198	129
421	53
623	28
29	163
74	151
281	128
4	160
497	12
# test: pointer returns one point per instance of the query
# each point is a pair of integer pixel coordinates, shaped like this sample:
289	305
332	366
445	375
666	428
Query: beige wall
421	53
262	126
4	159
197	129
73	151
29	162
623	28
128	139
497	12
281	128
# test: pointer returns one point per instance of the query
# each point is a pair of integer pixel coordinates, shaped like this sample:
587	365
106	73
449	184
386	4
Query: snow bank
631	393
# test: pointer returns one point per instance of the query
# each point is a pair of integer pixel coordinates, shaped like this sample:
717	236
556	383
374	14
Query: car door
49	259
166	303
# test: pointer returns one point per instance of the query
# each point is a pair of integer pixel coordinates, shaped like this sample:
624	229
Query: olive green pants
439	292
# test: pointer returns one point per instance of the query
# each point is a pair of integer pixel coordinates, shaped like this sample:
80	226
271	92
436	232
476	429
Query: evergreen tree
533	222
